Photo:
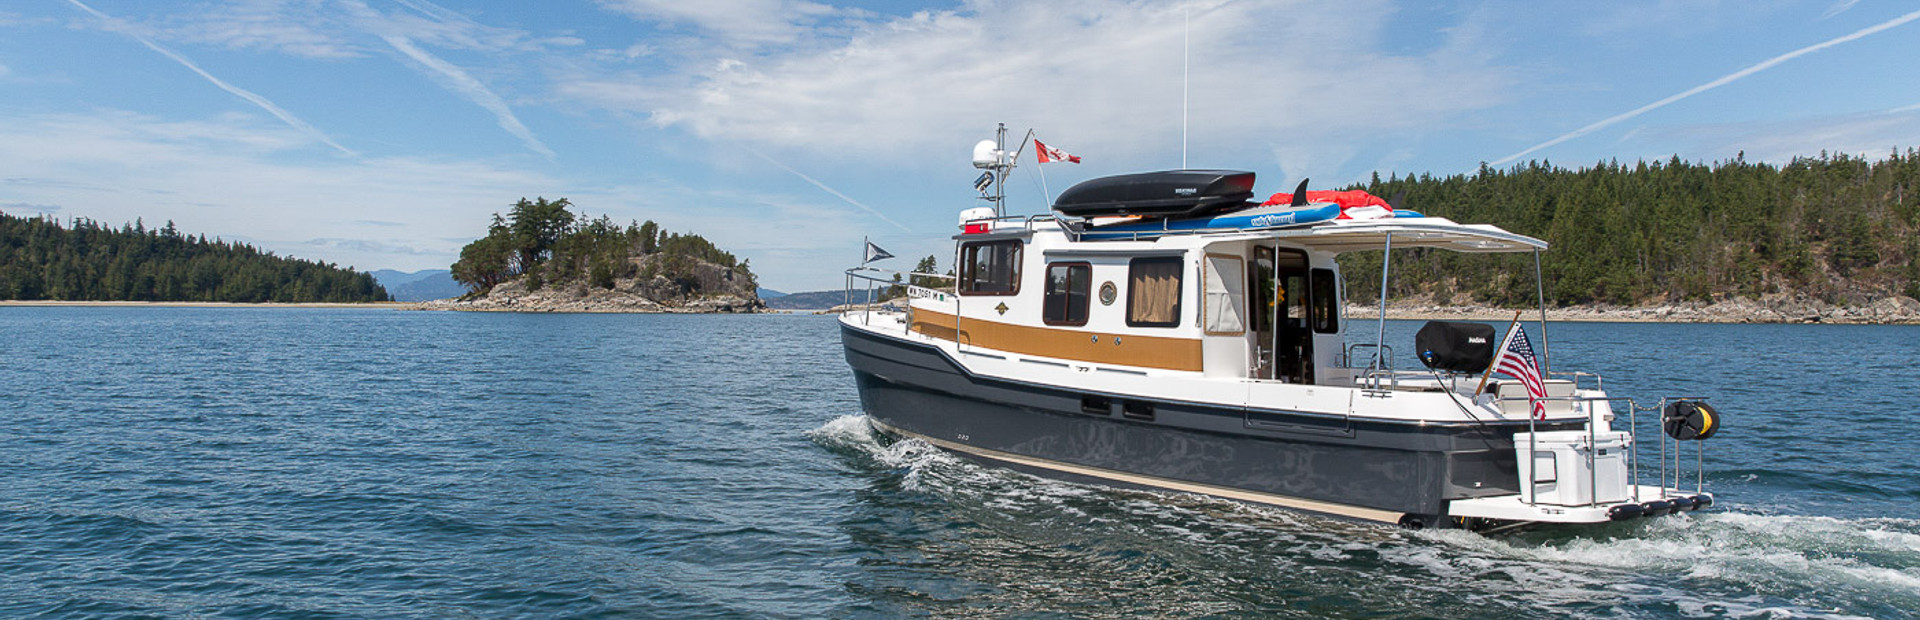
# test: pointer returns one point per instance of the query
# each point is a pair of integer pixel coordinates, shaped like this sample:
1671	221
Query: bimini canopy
1422	232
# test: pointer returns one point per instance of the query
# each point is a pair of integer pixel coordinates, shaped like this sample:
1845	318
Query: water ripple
356	463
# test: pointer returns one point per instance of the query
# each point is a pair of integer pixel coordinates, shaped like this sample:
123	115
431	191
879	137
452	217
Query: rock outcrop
701	287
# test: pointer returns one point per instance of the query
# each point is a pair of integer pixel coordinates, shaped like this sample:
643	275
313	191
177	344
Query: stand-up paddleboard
1260	218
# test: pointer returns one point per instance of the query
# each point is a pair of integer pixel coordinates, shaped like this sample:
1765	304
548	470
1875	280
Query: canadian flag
1050	154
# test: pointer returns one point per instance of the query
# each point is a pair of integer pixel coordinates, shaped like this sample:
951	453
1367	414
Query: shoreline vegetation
1896	311
55	303
43	258
541	257
1818	237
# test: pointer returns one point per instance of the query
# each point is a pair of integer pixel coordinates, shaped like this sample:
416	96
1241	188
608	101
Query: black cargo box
1171	193
1459	347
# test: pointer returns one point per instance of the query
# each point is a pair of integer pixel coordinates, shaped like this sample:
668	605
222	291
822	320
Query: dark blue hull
1376	470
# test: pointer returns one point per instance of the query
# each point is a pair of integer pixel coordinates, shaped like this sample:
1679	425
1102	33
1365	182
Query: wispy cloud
460	82
250	96
216	176
364	246
1871	134
303	30
28	206
738	21
863	207
1838	8
285	116
1722	81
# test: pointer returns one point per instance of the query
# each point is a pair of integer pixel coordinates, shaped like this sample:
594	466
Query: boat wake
1755	565
1713	563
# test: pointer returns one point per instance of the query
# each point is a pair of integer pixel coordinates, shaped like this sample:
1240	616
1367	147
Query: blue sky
383	133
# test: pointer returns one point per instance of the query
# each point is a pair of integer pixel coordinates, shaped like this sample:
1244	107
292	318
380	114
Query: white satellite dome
985	155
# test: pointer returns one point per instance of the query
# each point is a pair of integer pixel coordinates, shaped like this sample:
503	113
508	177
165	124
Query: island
542	257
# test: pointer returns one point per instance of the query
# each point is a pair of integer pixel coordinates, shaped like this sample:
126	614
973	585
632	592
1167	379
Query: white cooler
1557	462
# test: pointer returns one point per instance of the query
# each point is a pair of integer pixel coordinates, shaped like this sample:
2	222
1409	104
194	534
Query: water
373	463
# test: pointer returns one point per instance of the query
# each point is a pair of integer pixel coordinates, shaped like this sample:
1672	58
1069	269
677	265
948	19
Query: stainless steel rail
1633	444
873	278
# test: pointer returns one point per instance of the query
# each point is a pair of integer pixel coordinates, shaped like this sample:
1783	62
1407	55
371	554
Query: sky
383	134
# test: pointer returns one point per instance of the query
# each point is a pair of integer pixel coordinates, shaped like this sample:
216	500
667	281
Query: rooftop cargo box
1171	193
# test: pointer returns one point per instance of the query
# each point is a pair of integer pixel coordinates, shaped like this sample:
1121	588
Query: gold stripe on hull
1356	512
1069	344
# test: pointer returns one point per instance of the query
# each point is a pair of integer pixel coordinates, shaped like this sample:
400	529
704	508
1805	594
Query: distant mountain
767	293
390	278
816	300
423	285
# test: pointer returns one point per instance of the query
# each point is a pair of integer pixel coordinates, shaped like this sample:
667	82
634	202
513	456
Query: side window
1068	285
1225	297
1326	302
1153	292
990	268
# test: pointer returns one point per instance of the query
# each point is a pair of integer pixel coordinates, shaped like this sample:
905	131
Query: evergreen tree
40	258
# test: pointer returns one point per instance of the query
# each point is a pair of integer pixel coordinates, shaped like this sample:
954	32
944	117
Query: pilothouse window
1067	291
990	268
1153	292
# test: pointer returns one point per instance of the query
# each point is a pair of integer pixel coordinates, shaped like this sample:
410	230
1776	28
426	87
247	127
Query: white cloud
226	177
238	177
1099	76
1873	134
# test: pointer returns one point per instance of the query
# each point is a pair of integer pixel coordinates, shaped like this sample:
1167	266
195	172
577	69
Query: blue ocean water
377	463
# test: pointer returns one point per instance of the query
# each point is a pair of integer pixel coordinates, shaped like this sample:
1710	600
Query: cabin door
1278	296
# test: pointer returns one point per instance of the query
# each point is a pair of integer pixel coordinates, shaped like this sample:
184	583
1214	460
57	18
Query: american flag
1516	360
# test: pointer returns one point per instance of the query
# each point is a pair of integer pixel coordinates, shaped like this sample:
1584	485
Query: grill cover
1459	347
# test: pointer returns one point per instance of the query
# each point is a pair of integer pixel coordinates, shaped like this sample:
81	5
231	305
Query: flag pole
1044	193
1503	347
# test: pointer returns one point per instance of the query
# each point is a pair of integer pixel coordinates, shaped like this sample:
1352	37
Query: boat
1162	331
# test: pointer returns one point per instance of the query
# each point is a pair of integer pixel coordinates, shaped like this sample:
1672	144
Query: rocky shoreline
627	297
1896	310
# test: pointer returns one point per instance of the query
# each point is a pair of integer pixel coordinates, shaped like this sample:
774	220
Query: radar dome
985	155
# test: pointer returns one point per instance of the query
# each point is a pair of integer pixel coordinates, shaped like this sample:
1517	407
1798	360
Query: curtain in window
1154	292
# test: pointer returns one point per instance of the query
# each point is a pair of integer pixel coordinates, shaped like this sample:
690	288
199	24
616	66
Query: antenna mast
992	156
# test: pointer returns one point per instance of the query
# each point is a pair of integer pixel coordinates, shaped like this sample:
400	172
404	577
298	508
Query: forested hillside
82	260
1836	228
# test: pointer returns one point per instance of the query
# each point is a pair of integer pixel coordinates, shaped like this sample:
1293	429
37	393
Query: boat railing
1599	383
877	280
1377	373
1670	471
